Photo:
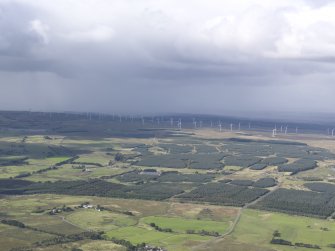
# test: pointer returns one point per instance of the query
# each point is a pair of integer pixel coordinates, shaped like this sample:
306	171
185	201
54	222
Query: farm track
72	224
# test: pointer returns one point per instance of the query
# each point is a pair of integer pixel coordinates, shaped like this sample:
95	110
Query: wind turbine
281	128
179	124
211	123
296	130
249	125
195	124
142	120
285	130
239	126
171	122
274	132
231	127
220	126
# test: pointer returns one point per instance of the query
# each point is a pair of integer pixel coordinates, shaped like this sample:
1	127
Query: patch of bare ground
195	210
249	174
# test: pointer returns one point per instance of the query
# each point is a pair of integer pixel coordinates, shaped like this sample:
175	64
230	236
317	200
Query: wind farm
167	125
99	180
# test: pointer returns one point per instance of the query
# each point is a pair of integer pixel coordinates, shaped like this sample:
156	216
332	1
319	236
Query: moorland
74	181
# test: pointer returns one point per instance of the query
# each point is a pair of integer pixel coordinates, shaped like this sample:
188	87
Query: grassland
257	227
181	225
41	158
101	246
132	228
32	165
170	241
179	216
67	172
100	220
11	237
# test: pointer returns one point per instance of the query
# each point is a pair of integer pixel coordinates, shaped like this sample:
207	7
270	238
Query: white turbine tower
249	125
239	126
195	124
171	122
231	127
142	120
296	130
285	130
220	126
211	123
281	128
179	124
274	132
333	132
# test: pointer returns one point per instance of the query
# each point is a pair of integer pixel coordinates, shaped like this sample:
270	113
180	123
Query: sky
161	56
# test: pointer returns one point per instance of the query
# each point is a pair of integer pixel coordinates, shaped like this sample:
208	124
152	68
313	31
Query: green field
11	237
257	227
101	246
181	225
134	228
160	186
100	221
67	172
97	158
32	166
169	240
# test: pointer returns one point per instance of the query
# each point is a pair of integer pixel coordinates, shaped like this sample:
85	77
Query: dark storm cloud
163	56
16	38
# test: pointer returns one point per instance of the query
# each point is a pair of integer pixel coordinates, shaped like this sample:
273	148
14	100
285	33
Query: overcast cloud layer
212	56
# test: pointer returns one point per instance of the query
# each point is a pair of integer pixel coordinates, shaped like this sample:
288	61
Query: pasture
62	181
114	218
257	227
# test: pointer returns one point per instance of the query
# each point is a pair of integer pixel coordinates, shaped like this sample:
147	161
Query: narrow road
237	218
